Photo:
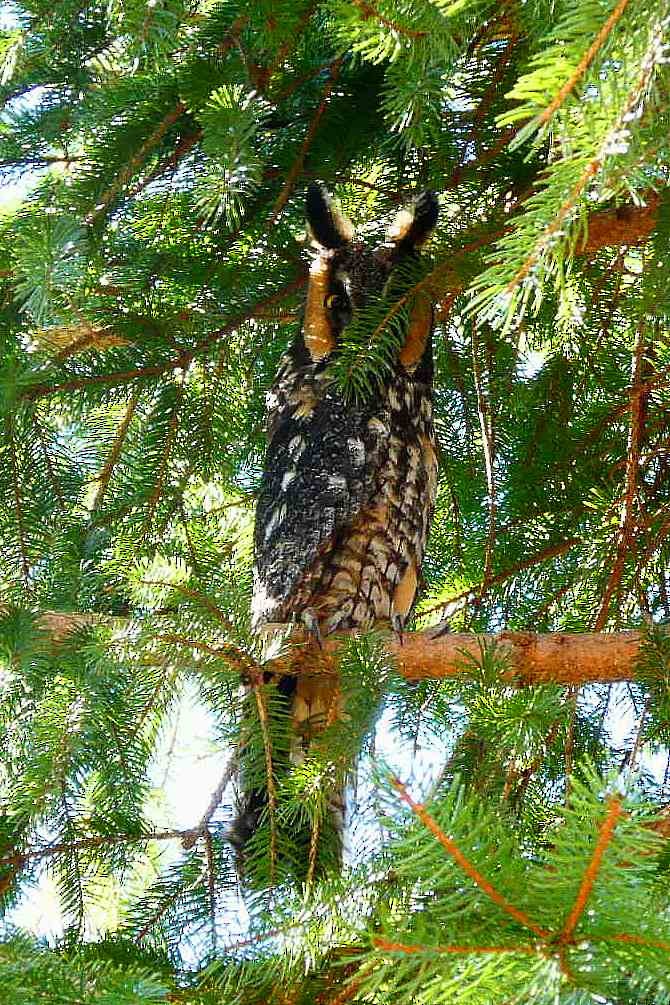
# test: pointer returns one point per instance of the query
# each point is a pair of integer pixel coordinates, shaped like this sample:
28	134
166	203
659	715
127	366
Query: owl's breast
346	500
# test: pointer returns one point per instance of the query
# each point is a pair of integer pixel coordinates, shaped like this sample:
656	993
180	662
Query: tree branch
554	658
534	659
464	863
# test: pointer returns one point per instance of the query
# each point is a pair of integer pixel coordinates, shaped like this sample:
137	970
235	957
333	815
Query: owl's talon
311	623
444	628
398	626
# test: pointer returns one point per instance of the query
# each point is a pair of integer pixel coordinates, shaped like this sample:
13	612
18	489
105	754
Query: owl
349	486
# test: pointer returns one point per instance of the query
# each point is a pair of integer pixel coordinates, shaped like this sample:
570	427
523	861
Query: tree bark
534	659
554	658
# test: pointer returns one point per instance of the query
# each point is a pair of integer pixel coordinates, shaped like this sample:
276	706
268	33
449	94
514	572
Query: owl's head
347	274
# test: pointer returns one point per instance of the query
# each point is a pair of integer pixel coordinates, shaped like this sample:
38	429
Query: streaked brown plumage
348	488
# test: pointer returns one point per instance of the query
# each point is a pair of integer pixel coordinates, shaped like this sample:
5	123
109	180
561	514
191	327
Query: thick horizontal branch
534	659
624	225
552	658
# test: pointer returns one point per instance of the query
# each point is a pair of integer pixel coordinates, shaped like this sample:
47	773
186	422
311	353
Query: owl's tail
291	804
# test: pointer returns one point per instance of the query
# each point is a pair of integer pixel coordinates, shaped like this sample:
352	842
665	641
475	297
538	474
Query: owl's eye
332	301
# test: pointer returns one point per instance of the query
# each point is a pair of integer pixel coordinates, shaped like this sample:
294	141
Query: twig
36	854
488	446
127	172
400	947
165	456
590	171
477	589
182	361
571	698
114	454
584	63
625	538
605	834
368	11
18	500
272	793
211	886
201	598
635	940
297	165
229	653
183	147
468	868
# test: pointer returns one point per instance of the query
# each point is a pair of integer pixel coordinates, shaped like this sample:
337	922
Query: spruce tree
152	271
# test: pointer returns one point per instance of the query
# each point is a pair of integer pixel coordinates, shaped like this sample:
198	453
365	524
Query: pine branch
592	169
20	859
136	161
468	868
605	834
184	147
18	499
155	495
479	589
53	477
256	682
409	950
626	532
634	940
488	446
368	11
586	61
115	453
182	361
297	166
557	658
291	41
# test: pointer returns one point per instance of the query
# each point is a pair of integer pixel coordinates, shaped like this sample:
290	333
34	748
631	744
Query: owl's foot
398	626
311	623
443	628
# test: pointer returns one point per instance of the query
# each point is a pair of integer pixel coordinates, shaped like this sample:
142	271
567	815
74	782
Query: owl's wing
321	468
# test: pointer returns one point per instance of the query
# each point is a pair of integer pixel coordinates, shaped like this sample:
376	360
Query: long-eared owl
348	487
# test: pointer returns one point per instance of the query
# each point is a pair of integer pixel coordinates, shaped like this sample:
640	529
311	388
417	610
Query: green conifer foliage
152	271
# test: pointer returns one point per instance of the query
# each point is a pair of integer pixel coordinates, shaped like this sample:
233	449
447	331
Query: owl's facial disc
346	276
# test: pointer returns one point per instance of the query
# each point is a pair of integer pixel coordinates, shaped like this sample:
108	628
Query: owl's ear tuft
415	223
329	227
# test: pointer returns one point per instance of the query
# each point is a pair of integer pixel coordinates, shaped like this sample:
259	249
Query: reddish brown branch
165	456
635	940
114	454
488	446
169	164
534	659
400	947
584	63
614	811
592	169
182	361
36	854
368	11
18	499
468	868
625	538
137	160
269	770
297	165
553	551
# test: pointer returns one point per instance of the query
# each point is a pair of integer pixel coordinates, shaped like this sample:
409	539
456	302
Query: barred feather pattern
346	500
348	488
